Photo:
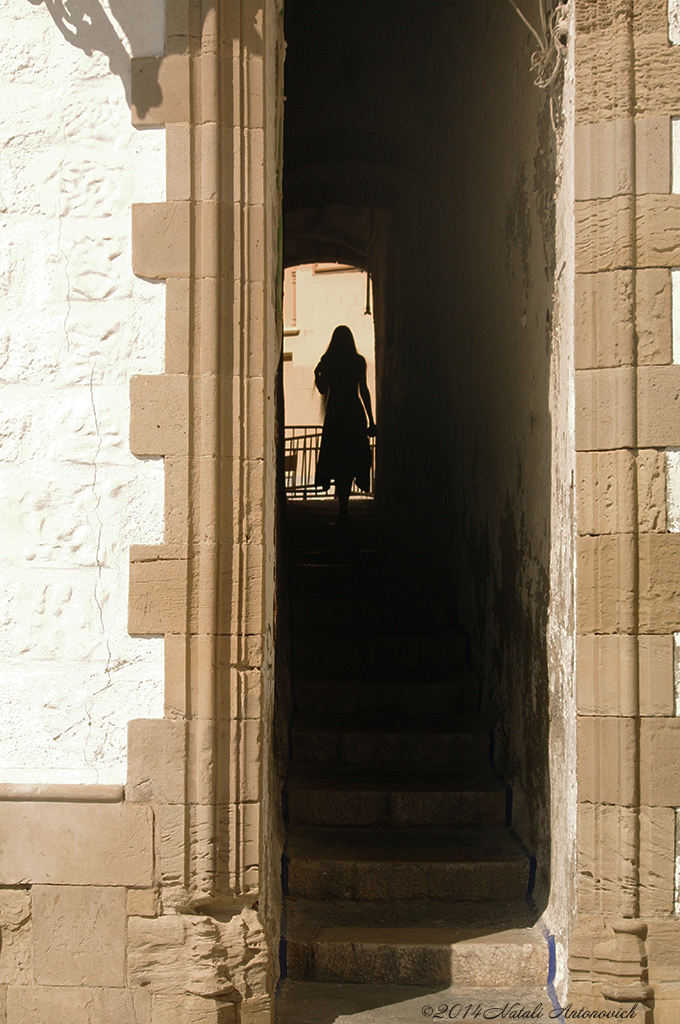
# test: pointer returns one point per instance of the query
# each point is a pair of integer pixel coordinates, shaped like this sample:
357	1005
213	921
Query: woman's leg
343	485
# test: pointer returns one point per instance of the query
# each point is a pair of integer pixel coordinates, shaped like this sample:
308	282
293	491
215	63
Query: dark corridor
417	147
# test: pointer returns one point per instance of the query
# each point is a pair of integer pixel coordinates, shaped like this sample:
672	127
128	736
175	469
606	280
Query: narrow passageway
418	150
400	867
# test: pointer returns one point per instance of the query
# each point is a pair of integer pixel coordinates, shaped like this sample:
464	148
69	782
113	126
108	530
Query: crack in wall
97	592
60	218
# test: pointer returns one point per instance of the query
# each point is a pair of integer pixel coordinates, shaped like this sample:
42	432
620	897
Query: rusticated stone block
169	1009
659	582
16	938
607	844
656	675
177	35
177	320
205	736
602	89
658	231
605	409
245	762
159	414
178	523
651	22
43	1004
657	71
257	1011
79	935
245	611
207	235
657	861
659	406
651	485
606	670
178	163
61	1004
606	749
606	579
160	240
76	844
156	761
652	155
241	699
605	490
660	762
604	319
207	143
605	235
249	961
158	589
663	949
142	903
160	90
172	827
653	316
666	1002
176	665
602	166
178	954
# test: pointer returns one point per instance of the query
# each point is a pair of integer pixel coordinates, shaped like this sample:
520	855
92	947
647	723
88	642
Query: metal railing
301	452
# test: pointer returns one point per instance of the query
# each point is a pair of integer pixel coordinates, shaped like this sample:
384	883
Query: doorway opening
418	149
318	297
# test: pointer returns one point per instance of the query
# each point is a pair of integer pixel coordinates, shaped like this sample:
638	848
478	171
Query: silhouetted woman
345	453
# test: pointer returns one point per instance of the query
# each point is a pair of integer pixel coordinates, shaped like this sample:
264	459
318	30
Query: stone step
366	655
399	799
467	865
303	1002
388	741
357	615
412	942
432	694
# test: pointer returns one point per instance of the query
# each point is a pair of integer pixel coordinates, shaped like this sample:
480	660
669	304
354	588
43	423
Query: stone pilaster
626	397
209	587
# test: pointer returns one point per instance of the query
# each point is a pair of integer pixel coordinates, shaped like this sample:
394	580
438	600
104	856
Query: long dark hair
342	352
340	360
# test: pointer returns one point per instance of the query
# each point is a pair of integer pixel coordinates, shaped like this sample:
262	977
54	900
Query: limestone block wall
75	324
626	937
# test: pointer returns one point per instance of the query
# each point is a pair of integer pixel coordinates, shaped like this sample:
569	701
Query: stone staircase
400	868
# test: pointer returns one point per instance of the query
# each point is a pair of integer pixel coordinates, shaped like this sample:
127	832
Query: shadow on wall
86	25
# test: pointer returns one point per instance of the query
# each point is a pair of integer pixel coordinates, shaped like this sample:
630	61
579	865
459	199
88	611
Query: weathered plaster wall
75	323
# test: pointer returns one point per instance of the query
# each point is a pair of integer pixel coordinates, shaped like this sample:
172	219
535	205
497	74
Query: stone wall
161	900
75	324
626	418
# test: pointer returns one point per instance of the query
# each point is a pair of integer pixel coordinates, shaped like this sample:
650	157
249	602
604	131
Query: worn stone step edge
399	810
510	958
303	1002
306	918
382	880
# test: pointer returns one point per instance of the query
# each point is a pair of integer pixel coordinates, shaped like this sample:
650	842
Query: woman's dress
345	448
